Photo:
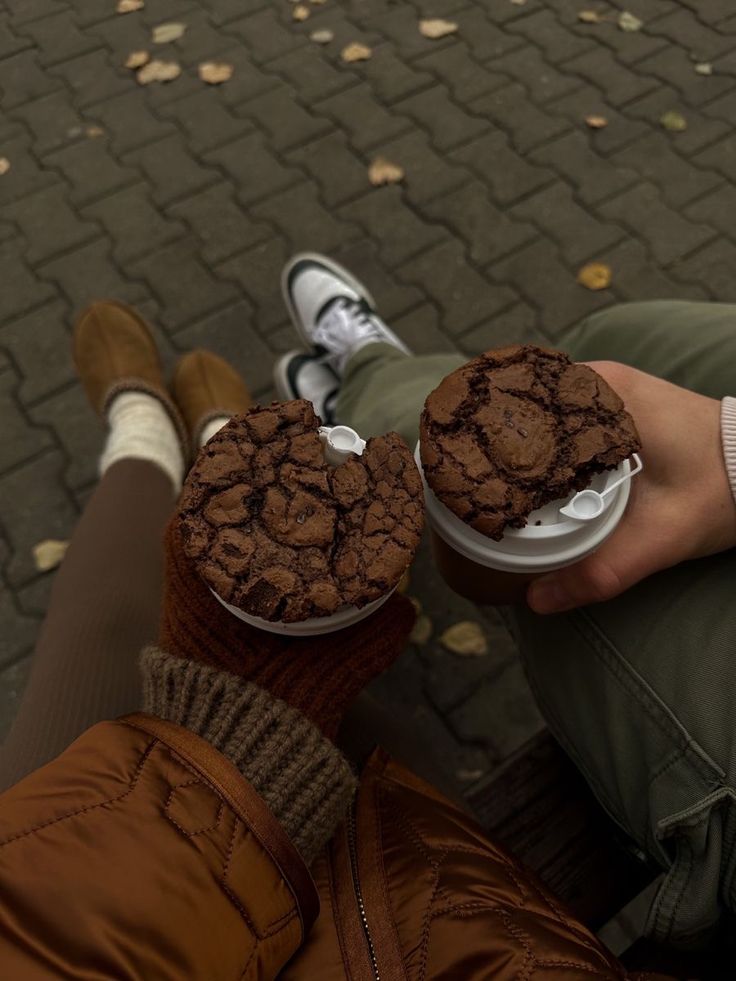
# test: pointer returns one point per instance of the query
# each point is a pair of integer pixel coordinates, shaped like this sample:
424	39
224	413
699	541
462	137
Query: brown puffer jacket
142	853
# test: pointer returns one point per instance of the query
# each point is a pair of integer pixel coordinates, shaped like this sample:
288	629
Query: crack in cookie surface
280	534
517	428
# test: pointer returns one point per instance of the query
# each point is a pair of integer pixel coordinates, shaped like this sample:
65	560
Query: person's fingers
625	559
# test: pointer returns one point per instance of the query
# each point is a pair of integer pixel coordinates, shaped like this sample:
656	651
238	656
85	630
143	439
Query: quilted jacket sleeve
142	853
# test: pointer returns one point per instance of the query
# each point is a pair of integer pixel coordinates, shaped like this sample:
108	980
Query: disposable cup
339	442
491	572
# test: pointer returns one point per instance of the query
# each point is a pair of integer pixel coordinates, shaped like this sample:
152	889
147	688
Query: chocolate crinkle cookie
517	428
277	532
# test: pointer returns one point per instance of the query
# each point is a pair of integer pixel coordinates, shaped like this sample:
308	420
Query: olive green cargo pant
641	690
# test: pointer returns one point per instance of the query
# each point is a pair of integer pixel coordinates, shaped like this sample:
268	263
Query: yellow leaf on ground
421	631
48	554
321	37
436	28
158	71
300	12
590	16
4	165
137	59
704	68
128	6
519	3
215	72
356	52
466	638
94	131
596	122
628	22
168	32
674	121
382	171
595	276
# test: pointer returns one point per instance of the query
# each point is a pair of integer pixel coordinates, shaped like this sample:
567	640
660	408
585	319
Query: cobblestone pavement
186	199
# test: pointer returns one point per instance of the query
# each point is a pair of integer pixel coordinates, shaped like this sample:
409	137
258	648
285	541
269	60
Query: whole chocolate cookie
517	428
281	534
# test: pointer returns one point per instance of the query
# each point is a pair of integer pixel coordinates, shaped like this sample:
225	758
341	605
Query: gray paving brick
637	277
90	273
23	11
35	507
670	236
78	430
420	330
50	119
265	35
543	82
511	109
57	37
629	48
248	80
486	232
39	339
19	438
222	226
428	174
205	120
184	286
171	169
485	39
592	176
129	121
302	218
543	29
621	130
455	68
10	42
231	333
94	76
335	167
676	67
17	637
711	268
252	166
398	25
398	232
701	131
393	297
508	175
362	117
447	124
464	296
279	114
683	28
720	157
22	78
257	273
311	74
133	223
25	175
91	169
224	11
391	77
517	325
28	291
538	275
654	155
616	83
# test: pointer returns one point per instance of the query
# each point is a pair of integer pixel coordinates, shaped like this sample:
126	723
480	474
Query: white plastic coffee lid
551	538
340	442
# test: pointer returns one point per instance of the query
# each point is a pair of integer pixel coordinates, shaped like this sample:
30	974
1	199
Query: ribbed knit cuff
728	433
303	778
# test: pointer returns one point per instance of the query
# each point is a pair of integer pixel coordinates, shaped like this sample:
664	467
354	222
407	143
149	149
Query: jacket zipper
353	849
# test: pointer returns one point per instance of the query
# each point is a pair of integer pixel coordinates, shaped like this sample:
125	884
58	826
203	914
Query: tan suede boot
114	351
206	387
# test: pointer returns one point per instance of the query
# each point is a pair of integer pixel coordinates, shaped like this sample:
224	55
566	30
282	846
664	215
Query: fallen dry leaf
356	52
628	22
466	638
215	72
437	28
48	554
704	68
300	12
4	165
382	171
93	132
321	37
137	59
595	276
421	631
158	71
590	16
673	121
168	32
519	3
128	6
596	122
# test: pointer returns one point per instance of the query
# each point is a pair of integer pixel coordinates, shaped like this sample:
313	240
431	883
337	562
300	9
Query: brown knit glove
319	676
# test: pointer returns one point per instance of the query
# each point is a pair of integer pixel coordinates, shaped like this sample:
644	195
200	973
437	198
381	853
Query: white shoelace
344	328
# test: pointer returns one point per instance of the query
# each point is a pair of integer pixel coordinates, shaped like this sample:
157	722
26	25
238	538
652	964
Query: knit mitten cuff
305	781
728	432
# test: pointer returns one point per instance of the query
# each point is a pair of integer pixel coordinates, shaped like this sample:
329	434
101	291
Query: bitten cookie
516	428
277	532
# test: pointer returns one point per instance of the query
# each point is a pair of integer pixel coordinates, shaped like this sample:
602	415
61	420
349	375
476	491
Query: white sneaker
306	376
332	311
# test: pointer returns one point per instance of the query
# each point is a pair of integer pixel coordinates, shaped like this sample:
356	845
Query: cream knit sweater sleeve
728	431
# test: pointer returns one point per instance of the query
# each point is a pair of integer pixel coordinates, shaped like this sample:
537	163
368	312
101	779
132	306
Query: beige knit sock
140	427
211	427
305	780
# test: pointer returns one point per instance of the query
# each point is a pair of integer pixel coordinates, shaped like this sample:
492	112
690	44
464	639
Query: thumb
625	559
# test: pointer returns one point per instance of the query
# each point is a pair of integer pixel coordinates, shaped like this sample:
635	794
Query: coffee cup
339	443
557	535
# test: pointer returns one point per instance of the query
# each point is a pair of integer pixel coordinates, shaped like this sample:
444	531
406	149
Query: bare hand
681	506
